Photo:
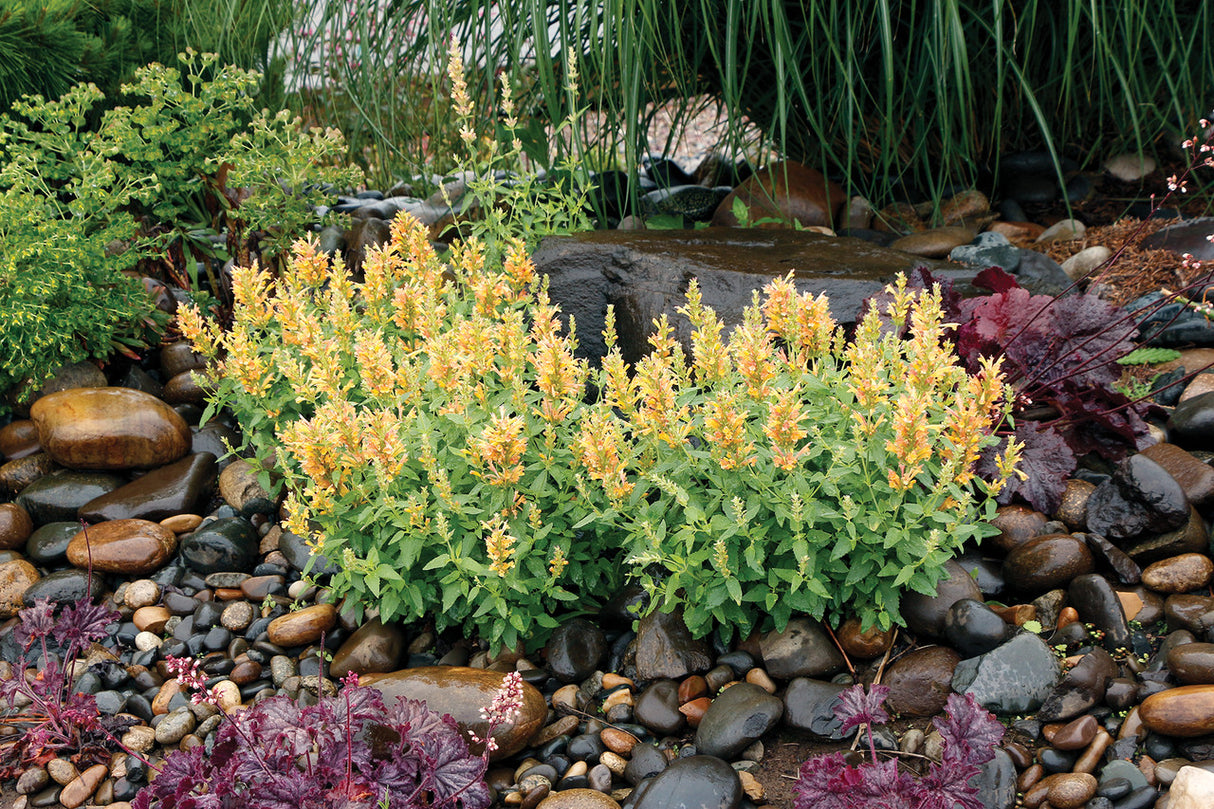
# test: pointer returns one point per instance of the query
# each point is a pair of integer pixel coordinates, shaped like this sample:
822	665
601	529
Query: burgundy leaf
857	707
968	729
1046	461
995	279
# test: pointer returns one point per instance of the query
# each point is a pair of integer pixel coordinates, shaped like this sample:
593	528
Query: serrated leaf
1149	355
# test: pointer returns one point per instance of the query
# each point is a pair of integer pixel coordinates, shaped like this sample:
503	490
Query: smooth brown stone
374	647
1071	790
920	681
864	645
15	526
16	577
1192	663
162	493
182	523
1194	477
566	725
302	627
462	692
130	547
787	191
16	475
1191	612
168	690
578	799
612	680
151	619
1017	525
1092	757
1076	734
1186	711
245	672
692	687
618	741
187	387
1067	615
109	428
81	789
1073	510
229	594
258	587
1046	562
1029	778
18	439
178	357
935	243
1132	725
1015	614
1179	574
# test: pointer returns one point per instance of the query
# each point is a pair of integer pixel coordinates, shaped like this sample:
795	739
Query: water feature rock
1196	479
1192	663
1192	423
1046	562
48	544
1085	261
1142	497
178	488
1184	237
18	474
297	553
58	497
18	439
693	202
1097	603
972	628
925	615
657	708
109	428
222	545
920	680
1015	678
1017	524
997	782
1083	687
302	626
1193	788
788	191
802	649
703	782
934	243
374	647
575	650
65	587
1186	711
462	692
134	547
578	799
664	648
643	274
988	250
1193	537
240	489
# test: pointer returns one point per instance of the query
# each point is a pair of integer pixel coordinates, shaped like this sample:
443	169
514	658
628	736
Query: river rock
1046	562
16	577
18	439
702	782
657	708
575	650
920	680
1192	663
1192	612
934	243
1186	711
462	692
178	488
1015	678
299	556
1179	574
58	497
223	545
1141	498
179	357
48	545
1073	509
18	474
1196	479
1097	603
694	203
578	799
374	647
135	547
925	615
787	191
736	719
1083	687
1184	237
643	274
1192	423
972	628
1192	788
1193	537
15	526
809	706
1017	524
240	489
65	587
187	387
802	649
109	428
302	627
665	648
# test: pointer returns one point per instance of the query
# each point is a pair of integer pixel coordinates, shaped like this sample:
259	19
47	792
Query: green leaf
735	589
1149	355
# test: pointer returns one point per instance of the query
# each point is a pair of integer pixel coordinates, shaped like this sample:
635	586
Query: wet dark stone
586	747
1141	498
65	587
48	544
178	488
693	202
704	782
1015	678
1184	237
657	708
1193	537
1093	597
925	615
229	544
1081	689
665	648
645	761
1055	760
298	554
575	650
973	628
1191	424
919	681
809	705
735	719
1127	570
58	496
997	782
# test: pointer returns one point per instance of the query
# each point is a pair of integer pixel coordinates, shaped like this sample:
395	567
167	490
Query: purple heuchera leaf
969	730
37	622
1046	461
83	623
857	707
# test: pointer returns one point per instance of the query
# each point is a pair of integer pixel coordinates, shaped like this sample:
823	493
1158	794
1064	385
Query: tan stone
303	626
131	547
18	438
15	578
1185	711
151	619
935	243
109	428
15	526
787	191
182	523
81	789
1179	574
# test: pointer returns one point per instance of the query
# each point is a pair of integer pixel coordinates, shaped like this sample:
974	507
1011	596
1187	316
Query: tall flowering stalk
785	471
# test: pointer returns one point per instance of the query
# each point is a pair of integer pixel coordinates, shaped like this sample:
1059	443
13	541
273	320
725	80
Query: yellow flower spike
725	432
720	558
499	544
558	563
519	269
499	450
374	363
710	359
783	428
251	288
600	448
200	332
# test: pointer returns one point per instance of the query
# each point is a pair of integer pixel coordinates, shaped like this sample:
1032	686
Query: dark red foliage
970	735
345	752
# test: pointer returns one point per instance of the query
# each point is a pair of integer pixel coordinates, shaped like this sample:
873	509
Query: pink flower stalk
503	709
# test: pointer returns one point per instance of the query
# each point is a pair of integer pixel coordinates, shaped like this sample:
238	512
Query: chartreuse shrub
423	419
784	470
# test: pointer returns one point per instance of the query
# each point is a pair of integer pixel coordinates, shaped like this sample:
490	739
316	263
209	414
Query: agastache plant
345	752
970	735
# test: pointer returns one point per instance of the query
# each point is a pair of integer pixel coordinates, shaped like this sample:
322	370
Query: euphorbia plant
787	471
